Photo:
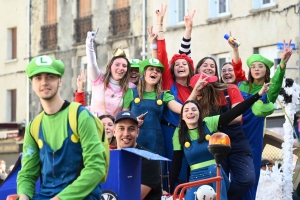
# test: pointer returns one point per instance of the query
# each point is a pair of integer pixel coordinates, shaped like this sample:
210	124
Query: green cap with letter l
45	64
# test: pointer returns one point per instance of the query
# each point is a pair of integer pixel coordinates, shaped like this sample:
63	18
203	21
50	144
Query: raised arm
277	79
185	46
162	55
240	108
237	62
93	71
152	41
79	93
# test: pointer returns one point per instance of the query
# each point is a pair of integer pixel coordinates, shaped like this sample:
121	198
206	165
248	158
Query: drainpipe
28	56
144	29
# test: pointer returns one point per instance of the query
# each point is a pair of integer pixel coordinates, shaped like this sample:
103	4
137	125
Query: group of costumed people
179	105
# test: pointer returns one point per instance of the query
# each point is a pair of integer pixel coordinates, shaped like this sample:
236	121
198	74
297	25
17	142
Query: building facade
59	27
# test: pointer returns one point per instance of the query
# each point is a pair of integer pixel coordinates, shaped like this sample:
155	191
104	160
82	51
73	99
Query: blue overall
60	168
168	132
238	162
253	127
150	135
198	153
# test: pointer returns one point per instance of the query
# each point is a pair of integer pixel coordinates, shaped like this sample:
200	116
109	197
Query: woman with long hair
191	140
253	118
108	88
108	123
149	98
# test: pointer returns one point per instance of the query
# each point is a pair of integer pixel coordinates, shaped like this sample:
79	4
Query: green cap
259	58
45	64
135	63
261	109
150	62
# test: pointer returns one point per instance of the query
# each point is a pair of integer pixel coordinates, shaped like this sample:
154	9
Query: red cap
182	56
210	79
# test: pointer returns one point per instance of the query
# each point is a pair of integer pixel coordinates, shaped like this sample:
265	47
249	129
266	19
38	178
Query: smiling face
126	132
152	75
208	67
119	68
258	72
181	68
108	127
190	114
134	75
227	74
46	85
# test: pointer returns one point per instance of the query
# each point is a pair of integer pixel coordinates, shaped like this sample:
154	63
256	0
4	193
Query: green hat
135	63
45	64
259	58
261	109
150	62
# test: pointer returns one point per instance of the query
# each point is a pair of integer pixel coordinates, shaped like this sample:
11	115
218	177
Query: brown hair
142	86
202	61
210	99
251	79
113	141
191	73
124	81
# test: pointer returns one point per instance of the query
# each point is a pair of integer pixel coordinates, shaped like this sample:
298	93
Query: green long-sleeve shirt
55	132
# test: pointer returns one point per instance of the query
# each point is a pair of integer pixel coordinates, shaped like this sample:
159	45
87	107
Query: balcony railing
49	36
120	21
82	26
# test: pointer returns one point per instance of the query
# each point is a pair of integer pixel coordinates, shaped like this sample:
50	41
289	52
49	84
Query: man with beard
57	153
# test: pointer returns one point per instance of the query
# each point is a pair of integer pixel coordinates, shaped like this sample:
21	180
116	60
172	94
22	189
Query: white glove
91	35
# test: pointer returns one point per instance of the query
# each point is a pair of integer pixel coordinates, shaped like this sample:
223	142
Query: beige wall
252	30
12	75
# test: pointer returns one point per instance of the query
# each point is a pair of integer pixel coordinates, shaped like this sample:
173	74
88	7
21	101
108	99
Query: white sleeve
94	71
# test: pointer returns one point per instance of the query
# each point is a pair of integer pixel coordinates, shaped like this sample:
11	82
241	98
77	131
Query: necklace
116	106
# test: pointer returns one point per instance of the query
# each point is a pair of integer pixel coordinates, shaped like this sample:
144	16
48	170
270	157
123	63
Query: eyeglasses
256	66
229	71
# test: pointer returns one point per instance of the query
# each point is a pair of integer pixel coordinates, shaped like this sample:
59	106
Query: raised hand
91	35
160	14
287	52
201	83
188	19
231	42
81	80
152	36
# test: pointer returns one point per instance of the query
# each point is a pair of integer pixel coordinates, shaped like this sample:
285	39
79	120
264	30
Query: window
177	11
11	43
11	102
122	4
49	31
221	59
120	18
257	4
218	8
83	22
84	8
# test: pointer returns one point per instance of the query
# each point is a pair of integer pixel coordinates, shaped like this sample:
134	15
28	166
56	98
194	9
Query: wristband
153	46
282	62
